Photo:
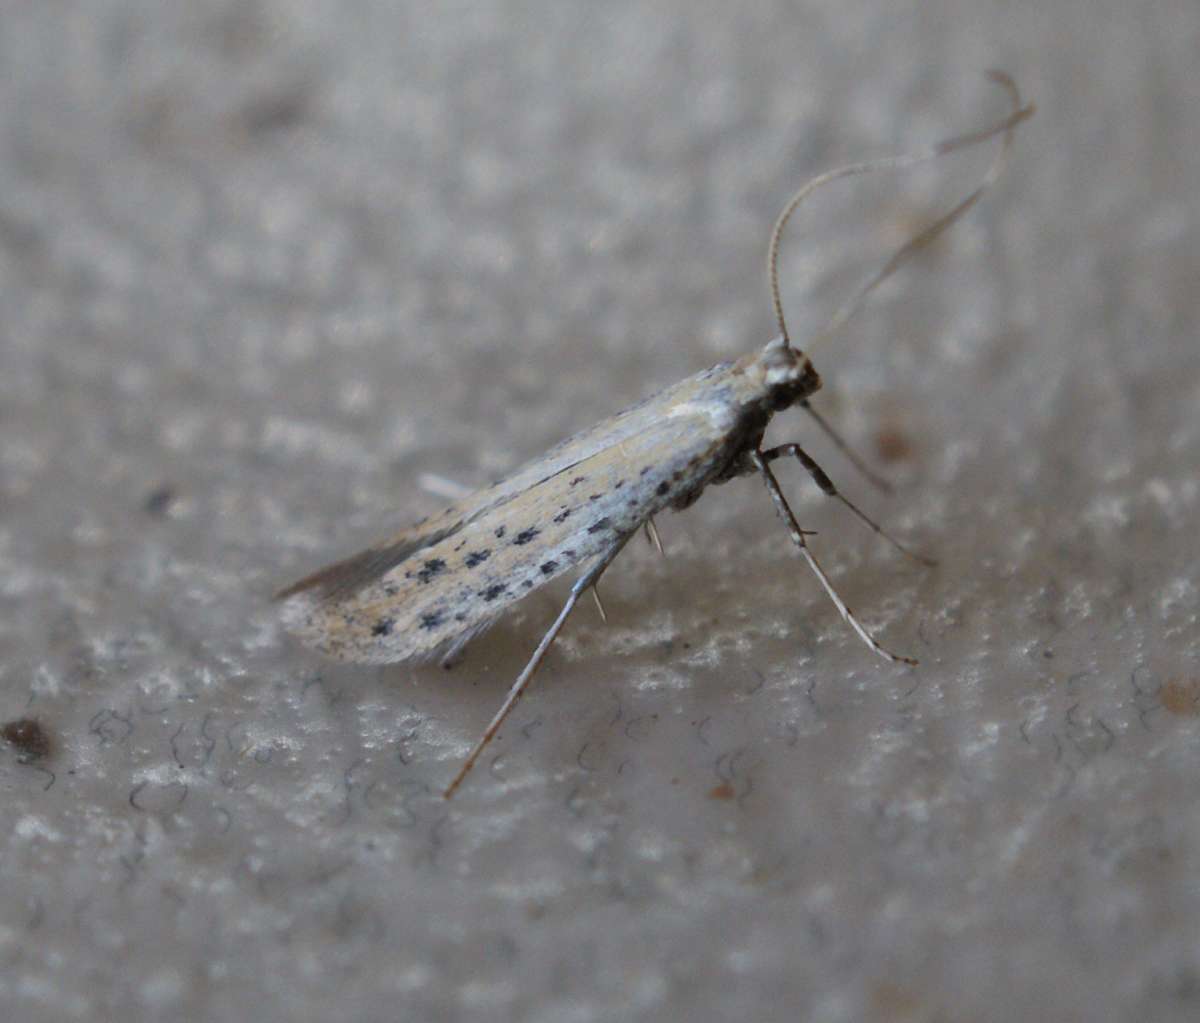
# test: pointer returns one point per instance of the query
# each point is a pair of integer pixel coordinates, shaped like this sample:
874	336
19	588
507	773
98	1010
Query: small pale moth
424	592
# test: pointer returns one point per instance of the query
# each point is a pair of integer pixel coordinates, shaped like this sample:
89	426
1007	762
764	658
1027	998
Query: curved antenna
901	162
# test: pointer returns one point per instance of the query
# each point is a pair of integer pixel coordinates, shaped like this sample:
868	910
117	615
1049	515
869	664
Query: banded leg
826	484
582	584
761	462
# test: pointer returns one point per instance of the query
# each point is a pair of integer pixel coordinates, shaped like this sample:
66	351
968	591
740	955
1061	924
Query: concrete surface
263	265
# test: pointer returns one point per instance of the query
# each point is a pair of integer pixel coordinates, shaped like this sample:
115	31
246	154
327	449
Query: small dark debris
499	532
577	480
28	737
893	444
158	502
1179	696
276	110
594	497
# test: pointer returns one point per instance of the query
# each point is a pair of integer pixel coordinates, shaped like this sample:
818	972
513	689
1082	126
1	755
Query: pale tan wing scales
343	578
413	596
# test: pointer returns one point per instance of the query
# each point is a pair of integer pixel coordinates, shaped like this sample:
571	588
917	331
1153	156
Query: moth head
787	374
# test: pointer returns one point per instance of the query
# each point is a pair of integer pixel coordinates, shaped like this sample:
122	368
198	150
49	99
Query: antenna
891	163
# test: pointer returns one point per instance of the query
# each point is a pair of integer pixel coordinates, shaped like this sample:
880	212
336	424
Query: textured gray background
262	265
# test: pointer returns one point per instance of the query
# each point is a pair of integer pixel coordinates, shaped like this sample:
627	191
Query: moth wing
417	593
343	578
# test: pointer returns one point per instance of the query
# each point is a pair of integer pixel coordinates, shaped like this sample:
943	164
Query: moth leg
582	585
454	652
826	484
761	461
851	456
599	603
653	537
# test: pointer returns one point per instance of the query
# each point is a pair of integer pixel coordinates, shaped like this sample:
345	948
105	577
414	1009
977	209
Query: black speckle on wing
477	557
526	536
344	578
431	568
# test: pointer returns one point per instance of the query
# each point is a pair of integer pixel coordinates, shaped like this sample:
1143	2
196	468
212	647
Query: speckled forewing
415	594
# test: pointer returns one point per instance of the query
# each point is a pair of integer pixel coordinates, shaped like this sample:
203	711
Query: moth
426	591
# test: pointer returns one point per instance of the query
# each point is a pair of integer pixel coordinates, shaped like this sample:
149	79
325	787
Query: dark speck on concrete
158	502
28	737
